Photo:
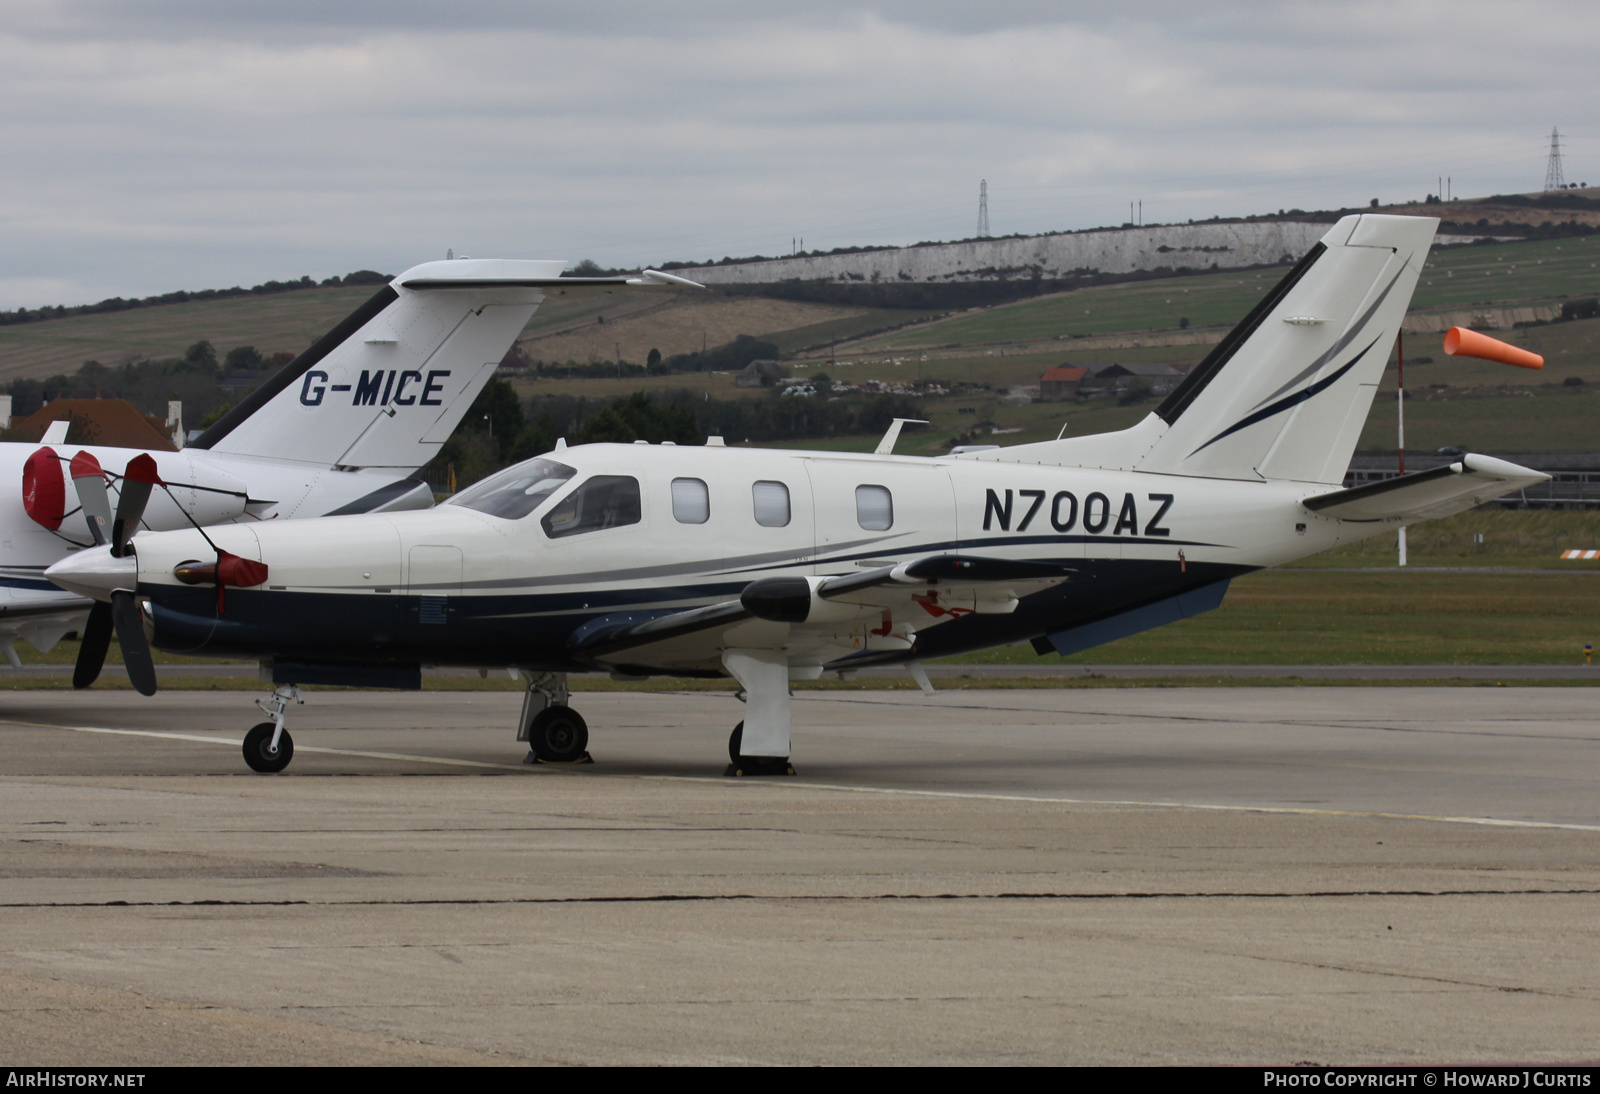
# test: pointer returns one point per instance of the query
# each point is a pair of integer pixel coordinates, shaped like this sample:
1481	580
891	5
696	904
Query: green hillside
1506	275
980	353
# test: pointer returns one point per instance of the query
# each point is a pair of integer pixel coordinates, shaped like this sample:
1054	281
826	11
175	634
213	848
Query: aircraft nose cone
94	573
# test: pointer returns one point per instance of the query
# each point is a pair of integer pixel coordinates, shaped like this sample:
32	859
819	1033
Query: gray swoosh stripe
1348	337
705	567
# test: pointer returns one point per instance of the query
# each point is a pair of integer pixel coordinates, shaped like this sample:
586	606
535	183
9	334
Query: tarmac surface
1041	670
1211	875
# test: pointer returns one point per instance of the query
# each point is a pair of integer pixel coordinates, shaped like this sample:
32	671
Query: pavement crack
841	898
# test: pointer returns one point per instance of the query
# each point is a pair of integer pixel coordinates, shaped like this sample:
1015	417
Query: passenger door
877	510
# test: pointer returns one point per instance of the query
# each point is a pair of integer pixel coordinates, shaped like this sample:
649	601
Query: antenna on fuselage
886	446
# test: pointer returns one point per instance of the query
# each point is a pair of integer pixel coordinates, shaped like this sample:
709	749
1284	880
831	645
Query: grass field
286	322
1318	616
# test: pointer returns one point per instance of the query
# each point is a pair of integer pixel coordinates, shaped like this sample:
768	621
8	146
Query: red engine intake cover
44	488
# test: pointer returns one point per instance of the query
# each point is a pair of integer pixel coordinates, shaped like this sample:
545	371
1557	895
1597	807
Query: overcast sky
152	146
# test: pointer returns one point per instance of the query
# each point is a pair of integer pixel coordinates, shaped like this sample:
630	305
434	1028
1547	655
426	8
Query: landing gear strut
764	675
268	748
556	734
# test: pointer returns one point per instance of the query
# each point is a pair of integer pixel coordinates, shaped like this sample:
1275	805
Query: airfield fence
1574	478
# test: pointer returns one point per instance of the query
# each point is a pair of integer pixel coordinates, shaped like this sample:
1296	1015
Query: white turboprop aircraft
775	565
338	430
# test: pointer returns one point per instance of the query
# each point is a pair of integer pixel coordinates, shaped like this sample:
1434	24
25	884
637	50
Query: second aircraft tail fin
388	385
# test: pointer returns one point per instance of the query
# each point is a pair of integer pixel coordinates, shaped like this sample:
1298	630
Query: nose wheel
259	752
268	748
559	735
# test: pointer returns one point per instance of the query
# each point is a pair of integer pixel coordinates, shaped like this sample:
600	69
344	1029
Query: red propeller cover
44	491
85	466
142	468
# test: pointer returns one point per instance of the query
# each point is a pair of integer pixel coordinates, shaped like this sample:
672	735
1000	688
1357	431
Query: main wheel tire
257	745
739	764
558	735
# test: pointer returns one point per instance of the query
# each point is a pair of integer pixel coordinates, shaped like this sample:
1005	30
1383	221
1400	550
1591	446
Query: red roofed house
1060	383
115	423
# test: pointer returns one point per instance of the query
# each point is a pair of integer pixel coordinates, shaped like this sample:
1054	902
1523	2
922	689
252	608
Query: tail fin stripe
1202	374
1349	336
1291	401
297	368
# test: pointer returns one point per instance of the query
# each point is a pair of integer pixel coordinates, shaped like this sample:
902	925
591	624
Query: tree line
117	303
500	429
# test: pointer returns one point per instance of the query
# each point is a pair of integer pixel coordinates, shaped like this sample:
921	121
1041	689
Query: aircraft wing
1424	495
817	619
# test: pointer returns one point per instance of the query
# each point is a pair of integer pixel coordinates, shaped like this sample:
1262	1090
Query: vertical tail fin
1285	394
388	385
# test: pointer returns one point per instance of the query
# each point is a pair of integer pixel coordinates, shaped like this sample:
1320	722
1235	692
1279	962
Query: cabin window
516	491
874	508
772	504
605	501
691	501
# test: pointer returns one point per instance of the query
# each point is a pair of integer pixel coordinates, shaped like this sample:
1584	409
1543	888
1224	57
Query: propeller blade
92	651
136	483
90	483
135	647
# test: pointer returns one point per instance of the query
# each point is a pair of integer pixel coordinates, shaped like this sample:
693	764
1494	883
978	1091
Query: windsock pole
1400	396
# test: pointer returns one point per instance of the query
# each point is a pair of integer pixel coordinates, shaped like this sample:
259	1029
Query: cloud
174	145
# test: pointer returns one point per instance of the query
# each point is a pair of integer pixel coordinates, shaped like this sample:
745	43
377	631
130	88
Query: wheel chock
531	758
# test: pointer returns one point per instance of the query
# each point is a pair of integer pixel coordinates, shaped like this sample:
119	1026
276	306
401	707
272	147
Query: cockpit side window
605	501
516	491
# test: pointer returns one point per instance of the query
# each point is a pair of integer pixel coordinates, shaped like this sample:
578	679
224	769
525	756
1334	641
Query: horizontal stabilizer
1424	495
558	286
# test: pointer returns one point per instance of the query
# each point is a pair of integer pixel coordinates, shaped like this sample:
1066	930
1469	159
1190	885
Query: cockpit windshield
516	491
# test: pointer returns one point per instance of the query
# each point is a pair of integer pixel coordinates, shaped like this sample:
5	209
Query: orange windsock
1460	342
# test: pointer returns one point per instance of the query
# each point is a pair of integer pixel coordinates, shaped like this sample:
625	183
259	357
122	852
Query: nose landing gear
268	748
556	734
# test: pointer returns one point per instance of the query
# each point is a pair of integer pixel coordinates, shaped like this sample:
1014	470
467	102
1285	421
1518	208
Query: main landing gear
740	765
760	744
555	733
268	748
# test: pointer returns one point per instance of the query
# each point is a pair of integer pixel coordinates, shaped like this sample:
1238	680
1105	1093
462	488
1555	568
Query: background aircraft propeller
122	613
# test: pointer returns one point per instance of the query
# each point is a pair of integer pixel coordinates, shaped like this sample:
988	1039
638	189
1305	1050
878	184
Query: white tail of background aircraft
387	386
